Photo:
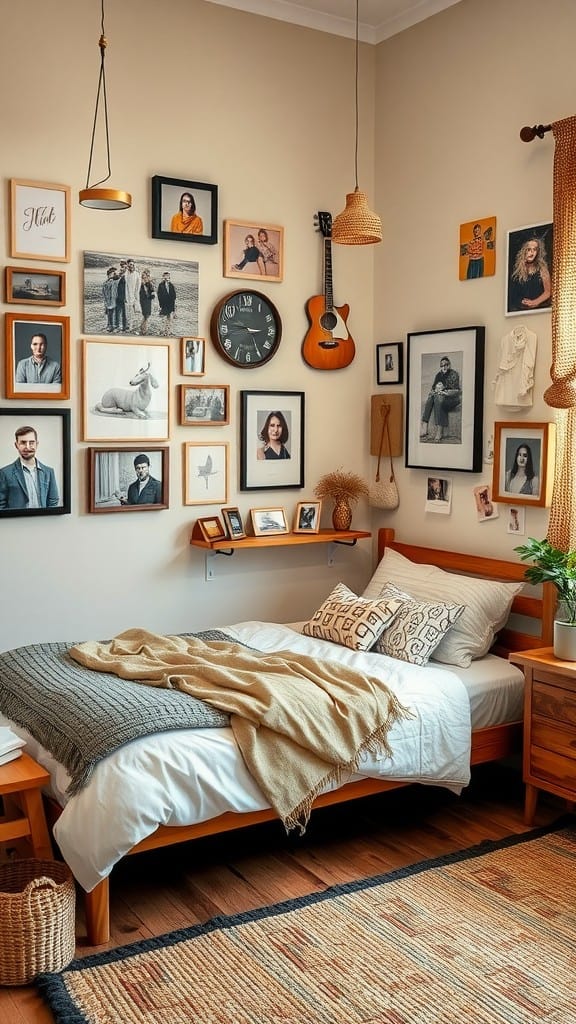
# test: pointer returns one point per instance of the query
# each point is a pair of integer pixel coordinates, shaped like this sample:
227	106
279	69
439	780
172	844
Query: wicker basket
37	916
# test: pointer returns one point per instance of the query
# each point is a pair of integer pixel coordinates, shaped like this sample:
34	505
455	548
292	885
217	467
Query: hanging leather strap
385	429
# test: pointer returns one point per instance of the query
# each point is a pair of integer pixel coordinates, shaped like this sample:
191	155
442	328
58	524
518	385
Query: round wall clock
246	328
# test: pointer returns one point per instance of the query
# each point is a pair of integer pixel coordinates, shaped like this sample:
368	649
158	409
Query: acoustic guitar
328	344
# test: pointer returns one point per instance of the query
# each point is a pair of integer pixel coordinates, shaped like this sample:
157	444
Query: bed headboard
539	610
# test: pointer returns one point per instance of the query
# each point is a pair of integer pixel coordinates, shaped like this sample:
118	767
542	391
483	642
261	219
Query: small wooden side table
549	760
21	781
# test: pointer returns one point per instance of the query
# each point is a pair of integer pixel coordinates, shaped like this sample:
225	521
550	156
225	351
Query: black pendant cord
357	106
103	42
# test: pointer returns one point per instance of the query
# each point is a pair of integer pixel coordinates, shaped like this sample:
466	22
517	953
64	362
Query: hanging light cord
103	42
356	101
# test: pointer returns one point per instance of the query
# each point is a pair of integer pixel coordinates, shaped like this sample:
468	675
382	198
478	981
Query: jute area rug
485	936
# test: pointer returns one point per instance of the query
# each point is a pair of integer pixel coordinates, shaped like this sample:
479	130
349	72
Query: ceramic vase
342	515
565	640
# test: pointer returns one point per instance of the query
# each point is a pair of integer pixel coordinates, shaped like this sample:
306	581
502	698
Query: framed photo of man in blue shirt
37	354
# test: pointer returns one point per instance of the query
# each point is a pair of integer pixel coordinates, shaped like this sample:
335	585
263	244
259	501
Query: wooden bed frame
487	744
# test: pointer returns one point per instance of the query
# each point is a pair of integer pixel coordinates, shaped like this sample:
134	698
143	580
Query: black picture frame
52	428
390	363
460	445
113	480
260	473
166	199
518	290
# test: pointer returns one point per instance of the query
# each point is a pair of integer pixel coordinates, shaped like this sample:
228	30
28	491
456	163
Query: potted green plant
343	489
551	565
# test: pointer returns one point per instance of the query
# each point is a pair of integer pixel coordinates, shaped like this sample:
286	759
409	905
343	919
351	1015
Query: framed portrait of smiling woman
524	463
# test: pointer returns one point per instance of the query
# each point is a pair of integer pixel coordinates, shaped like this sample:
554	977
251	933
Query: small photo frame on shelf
206	472
40	437
529	270
30	287
211	528
39	221
233	523
126	390
253	251
184	211
37	356
204	405
193	357
523	471
127	479
390	363
307	517
266	522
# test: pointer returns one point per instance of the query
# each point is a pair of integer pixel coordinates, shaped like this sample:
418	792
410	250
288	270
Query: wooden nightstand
20	783
549	760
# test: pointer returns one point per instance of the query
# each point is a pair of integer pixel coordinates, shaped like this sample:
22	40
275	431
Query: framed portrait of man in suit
35	462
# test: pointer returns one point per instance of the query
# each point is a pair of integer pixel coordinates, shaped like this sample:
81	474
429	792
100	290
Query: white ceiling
378	19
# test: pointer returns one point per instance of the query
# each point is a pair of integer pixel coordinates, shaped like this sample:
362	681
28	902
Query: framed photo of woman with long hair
529	270
524	463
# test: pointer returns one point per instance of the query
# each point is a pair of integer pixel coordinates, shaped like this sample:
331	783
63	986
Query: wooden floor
180	886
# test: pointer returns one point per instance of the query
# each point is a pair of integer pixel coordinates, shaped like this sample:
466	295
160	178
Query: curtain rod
528	134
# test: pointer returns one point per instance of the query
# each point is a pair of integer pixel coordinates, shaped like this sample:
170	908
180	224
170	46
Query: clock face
246	328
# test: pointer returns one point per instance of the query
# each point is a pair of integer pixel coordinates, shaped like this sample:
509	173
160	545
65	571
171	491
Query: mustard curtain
561	394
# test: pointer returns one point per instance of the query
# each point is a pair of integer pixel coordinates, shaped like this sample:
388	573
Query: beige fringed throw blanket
299	723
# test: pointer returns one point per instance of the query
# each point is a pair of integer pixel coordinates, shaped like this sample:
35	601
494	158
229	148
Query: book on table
10	745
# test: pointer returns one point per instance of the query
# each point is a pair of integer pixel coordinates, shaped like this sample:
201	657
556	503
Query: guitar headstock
323	222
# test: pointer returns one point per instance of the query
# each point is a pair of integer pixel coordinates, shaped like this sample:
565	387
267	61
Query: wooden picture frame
456	442
534	473
128	479
390	363
211	528
28	286
267	522
204	405
29	336
167	204
39	221
125	390
522	288
233	523
253	251
49	432
193	357
307	517
258	473
206	472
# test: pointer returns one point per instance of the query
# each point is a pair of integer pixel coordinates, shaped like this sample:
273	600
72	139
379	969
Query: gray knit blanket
81	716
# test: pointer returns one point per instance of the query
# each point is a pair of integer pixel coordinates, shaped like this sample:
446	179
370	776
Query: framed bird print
206	472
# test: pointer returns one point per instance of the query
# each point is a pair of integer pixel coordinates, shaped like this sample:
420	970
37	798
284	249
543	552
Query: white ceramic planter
565	640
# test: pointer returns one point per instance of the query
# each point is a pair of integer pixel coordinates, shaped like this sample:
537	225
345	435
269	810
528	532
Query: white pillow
417	628
352	621
487	603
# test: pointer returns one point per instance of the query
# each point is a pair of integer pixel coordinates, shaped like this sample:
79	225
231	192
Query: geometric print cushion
418	627
351	621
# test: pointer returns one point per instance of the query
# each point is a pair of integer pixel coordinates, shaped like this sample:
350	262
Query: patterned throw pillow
418	626
351	621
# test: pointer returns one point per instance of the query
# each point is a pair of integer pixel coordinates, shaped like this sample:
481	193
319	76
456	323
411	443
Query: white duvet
188	776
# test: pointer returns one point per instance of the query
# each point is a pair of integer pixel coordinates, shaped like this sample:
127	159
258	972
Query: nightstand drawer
549	766
553	736
554	702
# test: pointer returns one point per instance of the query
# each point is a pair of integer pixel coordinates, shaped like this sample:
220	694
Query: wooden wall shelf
348	537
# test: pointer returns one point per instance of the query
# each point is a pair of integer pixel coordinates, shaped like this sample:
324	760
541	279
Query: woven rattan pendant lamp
92	196
357	224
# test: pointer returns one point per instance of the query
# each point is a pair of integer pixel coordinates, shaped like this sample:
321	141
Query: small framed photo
307	517
184	211
253	250
271	439
211	528
38	439
523	471
516	523
268	521
390	363
126	390
193	357
39	221
477	249
485	507
206	472
127	479
29	287
204	405
37	356
439	495
529	270
233	523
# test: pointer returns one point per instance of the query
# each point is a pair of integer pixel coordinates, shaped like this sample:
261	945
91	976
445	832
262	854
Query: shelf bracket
346	543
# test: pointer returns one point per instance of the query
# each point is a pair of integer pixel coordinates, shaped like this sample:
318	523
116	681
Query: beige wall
265	110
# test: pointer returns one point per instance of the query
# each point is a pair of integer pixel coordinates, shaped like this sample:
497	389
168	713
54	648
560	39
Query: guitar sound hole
328	344
328	321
